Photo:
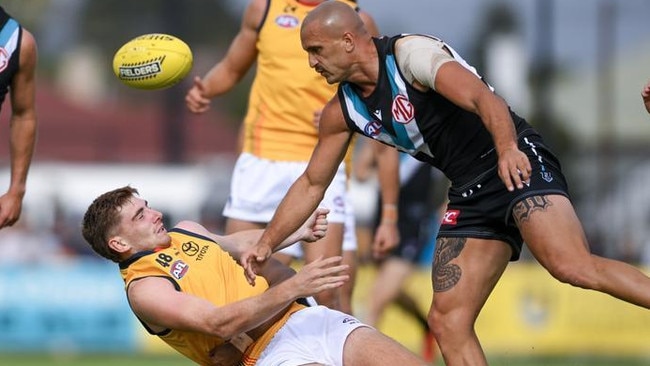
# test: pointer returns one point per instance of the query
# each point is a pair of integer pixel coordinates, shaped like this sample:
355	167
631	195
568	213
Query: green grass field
172	360
93	360
402	329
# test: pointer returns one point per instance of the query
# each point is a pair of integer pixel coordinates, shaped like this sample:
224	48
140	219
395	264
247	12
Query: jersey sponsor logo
179	269
377	113
403	110
204	249
4	59
287	21
290	8
372	128
190	248
450	217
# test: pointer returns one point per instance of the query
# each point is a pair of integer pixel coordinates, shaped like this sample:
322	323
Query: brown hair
102	217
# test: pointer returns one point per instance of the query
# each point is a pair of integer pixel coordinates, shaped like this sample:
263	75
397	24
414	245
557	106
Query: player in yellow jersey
186	288
279	132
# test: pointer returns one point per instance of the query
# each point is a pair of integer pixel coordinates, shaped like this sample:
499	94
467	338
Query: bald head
334	18
336	41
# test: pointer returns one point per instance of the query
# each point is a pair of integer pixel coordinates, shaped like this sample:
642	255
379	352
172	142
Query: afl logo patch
403	110
287	21
373	128
179	269
4	59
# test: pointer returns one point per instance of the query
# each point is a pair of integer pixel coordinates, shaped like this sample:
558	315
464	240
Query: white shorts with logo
313	335
258	185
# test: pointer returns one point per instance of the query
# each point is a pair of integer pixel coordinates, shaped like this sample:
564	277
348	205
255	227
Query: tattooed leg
446	275
522	210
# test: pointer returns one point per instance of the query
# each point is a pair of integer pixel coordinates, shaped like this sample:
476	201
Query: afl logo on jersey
179	269
287	21
403	110
372	128
4	59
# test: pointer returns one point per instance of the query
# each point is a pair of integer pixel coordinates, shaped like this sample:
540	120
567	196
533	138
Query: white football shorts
258	185
313	335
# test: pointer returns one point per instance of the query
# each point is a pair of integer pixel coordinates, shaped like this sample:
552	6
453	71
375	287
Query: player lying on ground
186	288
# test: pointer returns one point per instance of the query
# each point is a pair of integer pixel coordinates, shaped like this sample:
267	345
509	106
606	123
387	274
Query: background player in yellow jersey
279	130
185	287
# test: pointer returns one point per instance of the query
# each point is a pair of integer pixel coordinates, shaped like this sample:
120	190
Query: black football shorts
482	208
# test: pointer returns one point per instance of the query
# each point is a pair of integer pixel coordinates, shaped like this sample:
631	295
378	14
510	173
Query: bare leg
392	274
407	303
564	251
464	274
350	246
368	347
326	247
236	225
347	290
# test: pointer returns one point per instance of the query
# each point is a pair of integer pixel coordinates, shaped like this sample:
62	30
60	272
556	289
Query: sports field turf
172	360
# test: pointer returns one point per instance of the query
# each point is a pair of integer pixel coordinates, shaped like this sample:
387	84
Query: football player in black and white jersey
18	57
415	93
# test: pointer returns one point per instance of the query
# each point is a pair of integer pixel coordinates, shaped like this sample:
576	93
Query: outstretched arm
431	65
161	306
314	228
387	234
466	90
307	191
239	58
23	127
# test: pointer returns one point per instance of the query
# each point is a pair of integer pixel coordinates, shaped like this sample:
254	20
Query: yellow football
152	61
